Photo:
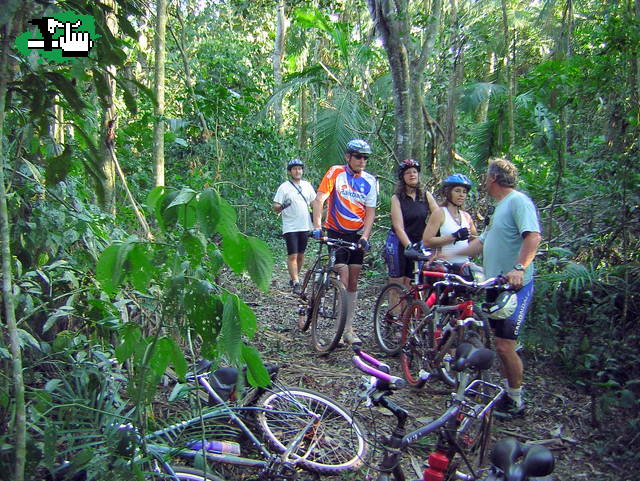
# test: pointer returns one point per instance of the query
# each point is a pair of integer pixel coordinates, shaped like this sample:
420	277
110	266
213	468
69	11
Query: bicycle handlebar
449	279
338	242
370	365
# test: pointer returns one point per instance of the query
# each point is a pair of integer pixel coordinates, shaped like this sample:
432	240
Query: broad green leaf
106	272
102	87
195	245
141	269
227	224
259	262
215	260
234	252
185	196
257	374
154	196
162	354
230	334
129	98
26	339
166	217
131	337
208	211
248	321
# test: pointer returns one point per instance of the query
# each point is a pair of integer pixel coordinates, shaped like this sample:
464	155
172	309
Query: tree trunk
483	110
7	283
158	126
278	54
407	68
508	73
107	132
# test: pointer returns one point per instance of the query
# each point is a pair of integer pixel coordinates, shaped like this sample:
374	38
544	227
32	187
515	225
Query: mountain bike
302	429
430	334
323	297
282	430
462	432
394	301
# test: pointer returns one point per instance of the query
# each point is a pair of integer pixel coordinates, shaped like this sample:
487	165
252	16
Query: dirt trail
558	416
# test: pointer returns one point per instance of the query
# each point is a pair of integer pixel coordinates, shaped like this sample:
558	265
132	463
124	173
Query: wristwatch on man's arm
519	267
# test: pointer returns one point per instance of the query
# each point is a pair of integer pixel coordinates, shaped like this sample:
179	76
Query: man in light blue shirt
508	247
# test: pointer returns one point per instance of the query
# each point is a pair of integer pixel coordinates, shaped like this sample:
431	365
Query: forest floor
558	415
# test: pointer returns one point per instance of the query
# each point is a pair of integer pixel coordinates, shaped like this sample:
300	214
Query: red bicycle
431	333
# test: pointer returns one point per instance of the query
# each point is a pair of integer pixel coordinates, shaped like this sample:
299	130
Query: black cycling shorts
344	255
296	242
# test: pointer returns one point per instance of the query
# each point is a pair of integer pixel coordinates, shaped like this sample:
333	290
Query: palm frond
336	124
314	74
485	140
473	95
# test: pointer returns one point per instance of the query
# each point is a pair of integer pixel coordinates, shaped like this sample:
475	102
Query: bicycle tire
187	473
336	443
328	315
416	343
477	336
307	294
387	321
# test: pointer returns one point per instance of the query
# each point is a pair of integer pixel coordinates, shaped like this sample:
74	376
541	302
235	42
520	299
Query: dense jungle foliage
105	258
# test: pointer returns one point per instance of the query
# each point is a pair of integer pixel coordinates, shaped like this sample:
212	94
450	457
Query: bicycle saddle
224	379
520	461
468	356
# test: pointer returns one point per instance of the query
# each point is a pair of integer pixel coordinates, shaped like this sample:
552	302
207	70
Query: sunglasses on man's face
360	156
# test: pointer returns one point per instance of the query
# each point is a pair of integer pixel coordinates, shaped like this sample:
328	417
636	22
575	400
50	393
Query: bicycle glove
364	244
316	233
460	234
285	204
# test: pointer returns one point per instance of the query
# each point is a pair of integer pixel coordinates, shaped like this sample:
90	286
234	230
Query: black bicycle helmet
358	146
457	179
407	164
293	163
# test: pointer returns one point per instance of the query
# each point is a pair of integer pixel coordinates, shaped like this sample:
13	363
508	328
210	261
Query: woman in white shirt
449	227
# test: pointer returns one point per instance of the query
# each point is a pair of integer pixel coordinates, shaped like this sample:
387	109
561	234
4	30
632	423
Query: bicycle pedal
423	379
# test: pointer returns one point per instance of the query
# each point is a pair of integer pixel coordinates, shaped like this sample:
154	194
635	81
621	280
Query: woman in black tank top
410	207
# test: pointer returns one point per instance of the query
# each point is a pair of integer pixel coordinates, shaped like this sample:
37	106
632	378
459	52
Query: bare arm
429	236
530	243
397	221
473	249
433	205
369	217
277	207
316	205
472	226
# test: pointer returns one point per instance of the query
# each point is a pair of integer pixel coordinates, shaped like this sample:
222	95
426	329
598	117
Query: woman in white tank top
449	227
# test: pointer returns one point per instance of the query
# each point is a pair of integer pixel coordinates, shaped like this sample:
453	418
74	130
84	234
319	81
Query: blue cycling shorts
393	253
510	327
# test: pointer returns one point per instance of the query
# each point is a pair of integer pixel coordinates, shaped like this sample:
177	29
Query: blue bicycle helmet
457	179
293	163
407	164
358	146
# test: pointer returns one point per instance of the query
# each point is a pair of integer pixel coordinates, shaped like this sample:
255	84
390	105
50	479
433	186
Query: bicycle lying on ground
301	428
463	431
323	297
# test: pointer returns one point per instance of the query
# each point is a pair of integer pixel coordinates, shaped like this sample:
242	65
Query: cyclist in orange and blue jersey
352	195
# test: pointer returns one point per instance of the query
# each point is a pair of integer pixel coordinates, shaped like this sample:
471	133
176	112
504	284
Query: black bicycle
462	432
323	298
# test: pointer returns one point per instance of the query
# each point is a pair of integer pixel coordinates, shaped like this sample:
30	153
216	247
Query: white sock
516	395
352	297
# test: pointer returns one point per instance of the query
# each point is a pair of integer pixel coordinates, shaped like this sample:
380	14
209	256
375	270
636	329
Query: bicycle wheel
417	341
309	289
186	473
387	318
478	334
328	315
335	442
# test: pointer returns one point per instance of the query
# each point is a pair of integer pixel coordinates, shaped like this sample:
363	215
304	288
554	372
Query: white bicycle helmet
504	306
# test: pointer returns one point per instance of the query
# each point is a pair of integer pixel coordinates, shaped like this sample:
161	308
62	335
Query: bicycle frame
270	462
455	421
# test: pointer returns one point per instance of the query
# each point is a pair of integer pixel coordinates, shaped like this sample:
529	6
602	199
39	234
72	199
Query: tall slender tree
159	78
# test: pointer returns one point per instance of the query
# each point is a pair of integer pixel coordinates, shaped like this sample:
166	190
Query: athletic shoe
297	289
506	408
350	337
